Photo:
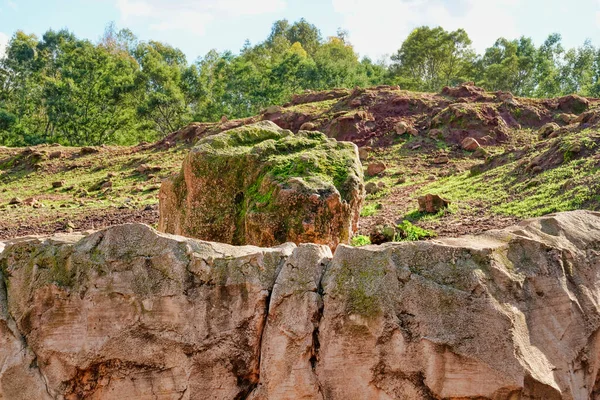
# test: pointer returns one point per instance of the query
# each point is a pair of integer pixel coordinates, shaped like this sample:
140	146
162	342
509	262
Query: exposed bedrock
130	313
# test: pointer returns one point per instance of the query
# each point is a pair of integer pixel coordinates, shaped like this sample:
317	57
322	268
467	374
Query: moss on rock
263	185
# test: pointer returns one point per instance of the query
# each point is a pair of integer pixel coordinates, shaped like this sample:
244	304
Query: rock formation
263	185
130	313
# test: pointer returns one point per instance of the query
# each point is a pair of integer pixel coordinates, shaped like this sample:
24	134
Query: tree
88	102
547	67
431	58
159	85
336	65
577	71
509	65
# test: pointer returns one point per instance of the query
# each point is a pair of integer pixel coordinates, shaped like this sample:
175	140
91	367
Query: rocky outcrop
263	185
132	313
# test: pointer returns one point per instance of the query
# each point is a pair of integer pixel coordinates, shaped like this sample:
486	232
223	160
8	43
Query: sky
376	28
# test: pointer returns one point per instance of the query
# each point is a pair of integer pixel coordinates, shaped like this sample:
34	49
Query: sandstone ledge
131	313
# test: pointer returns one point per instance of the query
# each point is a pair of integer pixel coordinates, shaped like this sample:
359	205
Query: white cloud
4	38
191	15
379	27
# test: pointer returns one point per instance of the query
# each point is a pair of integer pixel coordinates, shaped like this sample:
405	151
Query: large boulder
263	185
130	313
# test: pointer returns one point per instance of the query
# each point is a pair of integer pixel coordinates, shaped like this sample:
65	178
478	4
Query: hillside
537	157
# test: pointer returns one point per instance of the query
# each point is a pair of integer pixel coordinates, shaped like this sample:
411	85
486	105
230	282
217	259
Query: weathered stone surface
262	185
290	340
129	313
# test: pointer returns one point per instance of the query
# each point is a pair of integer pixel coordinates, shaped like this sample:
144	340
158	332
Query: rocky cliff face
129	313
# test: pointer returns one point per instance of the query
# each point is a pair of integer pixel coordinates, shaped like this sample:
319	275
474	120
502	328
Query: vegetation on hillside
63	89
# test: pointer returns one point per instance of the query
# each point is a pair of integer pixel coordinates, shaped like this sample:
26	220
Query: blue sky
377	27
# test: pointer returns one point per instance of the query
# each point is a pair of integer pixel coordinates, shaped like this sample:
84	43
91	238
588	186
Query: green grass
511	190
82	175
410	232
360	240
370	209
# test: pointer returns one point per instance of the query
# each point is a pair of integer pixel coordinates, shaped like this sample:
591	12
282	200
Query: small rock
403	127
270	110
381	185
29	201
363	152
58	184
308	126
507	98
372	188
15	201
88	150
432	203
441	160
375	169
382	234
400	181
145	168
111	175
106	185
470	144
55	155
567	118
548	129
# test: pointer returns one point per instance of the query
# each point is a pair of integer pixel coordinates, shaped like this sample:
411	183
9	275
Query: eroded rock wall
132	313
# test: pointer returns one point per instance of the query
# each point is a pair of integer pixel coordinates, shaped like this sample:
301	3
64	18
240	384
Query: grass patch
409	232
370	209
360	240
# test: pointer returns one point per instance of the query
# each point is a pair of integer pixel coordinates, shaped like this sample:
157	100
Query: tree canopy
63	89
